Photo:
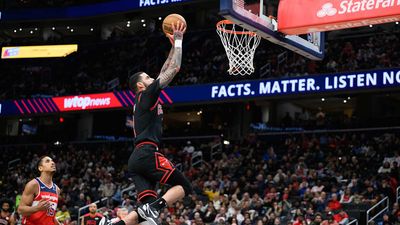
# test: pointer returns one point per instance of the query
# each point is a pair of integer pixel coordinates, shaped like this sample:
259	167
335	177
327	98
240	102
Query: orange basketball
172	18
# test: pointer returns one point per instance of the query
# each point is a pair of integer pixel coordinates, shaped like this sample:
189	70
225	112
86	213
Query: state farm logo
354	6
85	102
327	10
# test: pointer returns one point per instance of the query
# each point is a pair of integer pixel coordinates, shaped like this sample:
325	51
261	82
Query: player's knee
177	178
187	187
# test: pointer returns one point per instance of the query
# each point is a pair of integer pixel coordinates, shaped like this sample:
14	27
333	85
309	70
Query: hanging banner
307	16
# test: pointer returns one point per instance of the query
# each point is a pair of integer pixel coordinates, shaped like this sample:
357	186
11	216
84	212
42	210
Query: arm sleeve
149	97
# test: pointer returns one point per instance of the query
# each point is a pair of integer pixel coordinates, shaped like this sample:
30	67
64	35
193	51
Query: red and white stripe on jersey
43	217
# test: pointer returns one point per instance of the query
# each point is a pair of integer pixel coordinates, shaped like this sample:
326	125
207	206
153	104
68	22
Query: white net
240	46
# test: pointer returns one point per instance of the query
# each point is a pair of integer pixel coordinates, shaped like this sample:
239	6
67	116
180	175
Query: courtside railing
13	163
384	203
127	189
197	159
353	222
215	150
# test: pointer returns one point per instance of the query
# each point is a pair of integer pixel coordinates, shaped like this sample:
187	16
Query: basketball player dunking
40	197
146	164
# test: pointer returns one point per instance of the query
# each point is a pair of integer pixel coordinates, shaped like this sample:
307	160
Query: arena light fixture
20	29
53	28
15	31
142	20
91	29
144	25
345	101
322	99
31	31
397	22
160	18
72	30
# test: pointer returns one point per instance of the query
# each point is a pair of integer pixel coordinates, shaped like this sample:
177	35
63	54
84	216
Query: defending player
40	197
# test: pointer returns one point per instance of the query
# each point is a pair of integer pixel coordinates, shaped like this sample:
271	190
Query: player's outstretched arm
168	61
25	207
173	63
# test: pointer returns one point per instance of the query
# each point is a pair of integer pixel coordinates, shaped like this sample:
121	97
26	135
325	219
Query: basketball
172	18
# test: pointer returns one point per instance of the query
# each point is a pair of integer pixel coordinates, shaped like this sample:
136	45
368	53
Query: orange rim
225	22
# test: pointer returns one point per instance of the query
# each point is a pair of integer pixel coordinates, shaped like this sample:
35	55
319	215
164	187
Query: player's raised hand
43	204
178	30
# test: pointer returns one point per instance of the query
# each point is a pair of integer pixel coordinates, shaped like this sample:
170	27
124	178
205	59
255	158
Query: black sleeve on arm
149	97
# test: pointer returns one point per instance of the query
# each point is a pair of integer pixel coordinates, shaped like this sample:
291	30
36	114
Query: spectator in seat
221	216
300	220
385	220
121	214
395	213
330	221
63	215
317	219
334	204
369	196
5	212
346	197
342	217
385	168
127	204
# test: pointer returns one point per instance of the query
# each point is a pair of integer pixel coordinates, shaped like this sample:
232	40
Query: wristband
178	44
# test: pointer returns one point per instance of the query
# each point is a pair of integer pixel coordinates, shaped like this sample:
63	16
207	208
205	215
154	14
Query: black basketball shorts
149	167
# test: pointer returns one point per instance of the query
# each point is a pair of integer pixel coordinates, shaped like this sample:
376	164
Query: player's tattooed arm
173	63
172	68
168	61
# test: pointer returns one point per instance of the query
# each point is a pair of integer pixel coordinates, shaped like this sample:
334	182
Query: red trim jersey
43	217
89	219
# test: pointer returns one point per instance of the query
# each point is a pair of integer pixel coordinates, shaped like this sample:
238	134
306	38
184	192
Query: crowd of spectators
285	179
105	65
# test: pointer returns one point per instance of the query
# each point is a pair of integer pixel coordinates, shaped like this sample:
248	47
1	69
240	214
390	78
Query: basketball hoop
240	46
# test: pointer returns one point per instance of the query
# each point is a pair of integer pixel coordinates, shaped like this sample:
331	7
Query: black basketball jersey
148	114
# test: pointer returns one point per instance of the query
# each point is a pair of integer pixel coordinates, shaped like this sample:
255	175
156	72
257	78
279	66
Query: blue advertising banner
195	94
98	9
311	84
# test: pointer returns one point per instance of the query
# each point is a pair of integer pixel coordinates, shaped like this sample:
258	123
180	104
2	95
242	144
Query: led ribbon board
39	51
310	85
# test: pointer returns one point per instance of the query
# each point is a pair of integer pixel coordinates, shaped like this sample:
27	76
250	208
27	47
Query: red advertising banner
85	102
306	16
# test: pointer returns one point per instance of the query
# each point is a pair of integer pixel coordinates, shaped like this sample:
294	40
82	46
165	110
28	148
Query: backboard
253	15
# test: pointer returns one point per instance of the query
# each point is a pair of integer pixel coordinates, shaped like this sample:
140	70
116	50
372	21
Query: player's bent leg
180	188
